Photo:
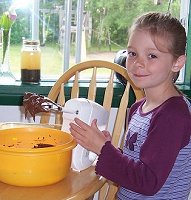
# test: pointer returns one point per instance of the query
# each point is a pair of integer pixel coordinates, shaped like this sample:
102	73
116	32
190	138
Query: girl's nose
138	62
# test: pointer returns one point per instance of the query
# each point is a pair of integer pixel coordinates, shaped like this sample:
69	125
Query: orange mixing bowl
34	156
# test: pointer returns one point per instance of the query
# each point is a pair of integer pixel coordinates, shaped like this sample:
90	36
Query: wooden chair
84	184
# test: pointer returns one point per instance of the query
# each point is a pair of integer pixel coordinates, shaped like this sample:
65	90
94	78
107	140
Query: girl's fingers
75	127
80	137
94	124
85	126
107	134
77	135
82	124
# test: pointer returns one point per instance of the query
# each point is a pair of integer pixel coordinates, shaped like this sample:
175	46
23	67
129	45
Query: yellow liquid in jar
30	60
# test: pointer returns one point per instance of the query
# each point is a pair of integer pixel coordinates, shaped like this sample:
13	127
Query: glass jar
30	61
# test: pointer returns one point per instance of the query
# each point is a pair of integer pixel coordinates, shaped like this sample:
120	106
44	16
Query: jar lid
31	42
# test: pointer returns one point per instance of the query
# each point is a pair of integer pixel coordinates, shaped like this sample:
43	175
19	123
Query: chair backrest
57	94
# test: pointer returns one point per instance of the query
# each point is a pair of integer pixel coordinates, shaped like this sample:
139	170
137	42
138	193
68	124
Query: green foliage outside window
111	19
110	22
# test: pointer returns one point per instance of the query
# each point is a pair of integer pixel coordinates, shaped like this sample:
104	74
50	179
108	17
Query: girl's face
148	67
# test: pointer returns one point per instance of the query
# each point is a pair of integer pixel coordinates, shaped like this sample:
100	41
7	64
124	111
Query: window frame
187	72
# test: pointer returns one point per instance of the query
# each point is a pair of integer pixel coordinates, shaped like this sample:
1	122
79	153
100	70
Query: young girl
156	159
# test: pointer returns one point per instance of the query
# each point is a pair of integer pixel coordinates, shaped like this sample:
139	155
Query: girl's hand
90	137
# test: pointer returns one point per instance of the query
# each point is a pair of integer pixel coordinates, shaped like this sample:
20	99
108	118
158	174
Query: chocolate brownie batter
34	103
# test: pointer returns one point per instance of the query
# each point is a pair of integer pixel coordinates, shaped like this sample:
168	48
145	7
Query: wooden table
77	185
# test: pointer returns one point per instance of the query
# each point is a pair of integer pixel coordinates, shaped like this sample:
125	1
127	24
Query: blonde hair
165	26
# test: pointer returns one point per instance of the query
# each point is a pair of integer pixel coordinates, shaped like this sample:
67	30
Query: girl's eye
151	56
131	54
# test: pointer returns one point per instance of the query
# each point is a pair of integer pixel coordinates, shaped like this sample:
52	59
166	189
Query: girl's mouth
140	75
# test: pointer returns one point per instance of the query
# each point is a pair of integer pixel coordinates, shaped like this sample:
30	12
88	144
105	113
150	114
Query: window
71	31
184	13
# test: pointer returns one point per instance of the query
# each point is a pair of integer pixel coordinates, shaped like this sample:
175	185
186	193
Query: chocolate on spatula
34	103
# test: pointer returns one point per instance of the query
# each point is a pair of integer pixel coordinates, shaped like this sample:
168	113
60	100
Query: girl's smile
140	75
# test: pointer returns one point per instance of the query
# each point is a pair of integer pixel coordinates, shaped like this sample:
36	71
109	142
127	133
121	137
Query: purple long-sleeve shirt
156	159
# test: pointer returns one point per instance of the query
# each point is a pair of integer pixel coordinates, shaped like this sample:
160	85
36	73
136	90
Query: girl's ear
181	60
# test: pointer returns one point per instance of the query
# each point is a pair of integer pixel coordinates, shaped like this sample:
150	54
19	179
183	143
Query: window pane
104	30
51	52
